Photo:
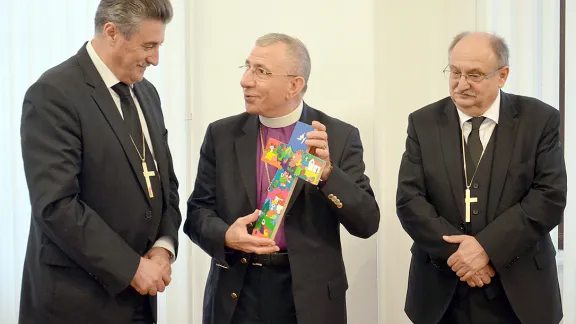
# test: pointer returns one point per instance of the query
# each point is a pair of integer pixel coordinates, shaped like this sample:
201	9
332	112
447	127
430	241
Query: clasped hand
470	262
154	272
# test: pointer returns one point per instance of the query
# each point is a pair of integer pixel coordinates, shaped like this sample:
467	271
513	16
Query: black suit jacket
91	215
225	190
526	200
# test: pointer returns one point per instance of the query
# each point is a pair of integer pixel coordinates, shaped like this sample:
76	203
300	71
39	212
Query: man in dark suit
298	276
481	184
105	216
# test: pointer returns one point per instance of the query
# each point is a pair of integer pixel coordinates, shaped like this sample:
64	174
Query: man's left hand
318	142
162	257
469	258
482	277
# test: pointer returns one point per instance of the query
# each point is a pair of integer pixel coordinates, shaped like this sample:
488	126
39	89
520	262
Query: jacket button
148	214
244	261
475	185
234	296
475	212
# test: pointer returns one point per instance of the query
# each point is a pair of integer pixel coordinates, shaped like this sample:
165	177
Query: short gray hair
498	44
296	50
128	14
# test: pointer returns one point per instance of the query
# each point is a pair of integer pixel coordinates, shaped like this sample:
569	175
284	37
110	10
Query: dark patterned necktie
474	143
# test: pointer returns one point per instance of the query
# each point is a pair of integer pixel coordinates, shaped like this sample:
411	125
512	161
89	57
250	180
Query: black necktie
132	123
474	143
130	113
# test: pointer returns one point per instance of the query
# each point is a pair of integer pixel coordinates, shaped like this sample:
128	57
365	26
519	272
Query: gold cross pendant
468	200
147	175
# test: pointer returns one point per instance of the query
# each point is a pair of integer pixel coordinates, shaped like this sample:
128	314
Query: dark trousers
486	305
142	311
266	297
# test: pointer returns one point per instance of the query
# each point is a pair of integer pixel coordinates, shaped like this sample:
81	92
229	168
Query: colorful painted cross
293	161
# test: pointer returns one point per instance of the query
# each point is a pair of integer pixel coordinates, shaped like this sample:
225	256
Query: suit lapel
505	137
451	147
245	147
146	104
103	99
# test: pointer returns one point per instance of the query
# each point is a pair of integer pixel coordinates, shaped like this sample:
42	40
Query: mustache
466	93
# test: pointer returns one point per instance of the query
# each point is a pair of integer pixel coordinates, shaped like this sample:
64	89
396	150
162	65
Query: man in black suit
105	216
481	184
300	275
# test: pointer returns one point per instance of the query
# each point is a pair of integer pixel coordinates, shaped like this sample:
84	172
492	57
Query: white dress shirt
487	126
110	80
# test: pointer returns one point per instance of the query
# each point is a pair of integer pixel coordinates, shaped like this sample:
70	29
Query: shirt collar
105	73
492	113
283	121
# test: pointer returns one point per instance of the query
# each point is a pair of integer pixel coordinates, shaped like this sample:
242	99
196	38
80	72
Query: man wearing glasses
481	184
300	274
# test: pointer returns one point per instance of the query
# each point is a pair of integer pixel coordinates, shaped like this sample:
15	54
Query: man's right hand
237	237
162	257
148	278
483	277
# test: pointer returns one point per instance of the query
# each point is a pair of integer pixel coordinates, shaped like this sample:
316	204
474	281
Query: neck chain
143	155
468	184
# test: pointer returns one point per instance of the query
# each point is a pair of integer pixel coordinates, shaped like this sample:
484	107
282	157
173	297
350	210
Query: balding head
495	43
479	68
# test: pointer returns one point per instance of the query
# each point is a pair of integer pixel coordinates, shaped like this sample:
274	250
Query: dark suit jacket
526	200
225	190
91	215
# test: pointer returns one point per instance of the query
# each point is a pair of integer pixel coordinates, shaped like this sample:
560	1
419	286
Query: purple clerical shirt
281	134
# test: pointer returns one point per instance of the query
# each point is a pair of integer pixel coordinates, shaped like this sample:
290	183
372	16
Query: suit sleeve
51	139
203	225
417	215
525	223
359	212
171	219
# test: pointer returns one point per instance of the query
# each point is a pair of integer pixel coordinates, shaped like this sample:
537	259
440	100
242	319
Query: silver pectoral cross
147	175
468	200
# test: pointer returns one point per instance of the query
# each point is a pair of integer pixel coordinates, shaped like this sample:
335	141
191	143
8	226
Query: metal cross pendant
147	175
468	200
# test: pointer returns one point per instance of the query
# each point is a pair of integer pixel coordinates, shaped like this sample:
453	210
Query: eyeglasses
260	73
474	77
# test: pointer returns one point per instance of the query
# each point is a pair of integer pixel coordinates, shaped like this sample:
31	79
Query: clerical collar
283	121
493	113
